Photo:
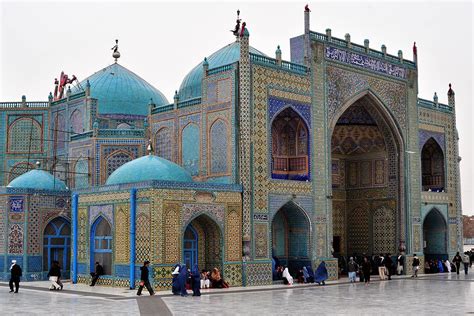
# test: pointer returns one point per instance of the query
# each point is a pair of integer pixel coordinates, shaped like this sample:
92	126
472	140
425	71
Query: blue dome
191	85
148	168
38	180
121	91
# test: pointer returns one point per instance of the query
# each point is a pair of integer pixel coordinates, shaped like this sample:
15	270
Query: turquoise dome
120	91
149	168
191	85
38	180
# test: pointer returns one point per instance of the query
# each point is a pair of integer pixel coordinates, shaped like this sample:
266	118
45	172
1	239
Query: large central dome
120	91
191	85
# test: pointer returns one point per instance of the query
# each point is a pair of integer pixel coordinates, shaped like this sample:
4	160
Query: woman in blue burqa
196	281
321	273
182	277
310	273
175	273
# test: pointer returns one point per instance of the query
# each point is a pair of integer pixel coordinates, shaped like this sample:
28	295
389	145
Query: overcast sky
162	41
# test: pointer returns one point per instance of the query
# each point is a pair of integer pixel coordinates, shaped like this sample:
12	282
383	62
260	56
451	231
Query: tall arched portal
291	235
57	244
366	187
101	245
432	166
202	244
435	236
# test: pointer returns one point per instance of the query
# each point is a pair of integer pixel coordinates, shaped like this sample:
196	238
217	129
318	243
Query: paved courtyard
430	294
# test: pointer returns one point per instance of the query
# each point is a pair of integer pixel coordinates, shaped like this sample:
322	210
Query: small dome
120	91
149	168
38	180
191	85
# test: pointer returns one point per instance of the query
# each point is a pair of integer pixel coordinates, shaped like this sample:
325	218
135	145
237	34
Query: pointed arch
101	244
81	173
75	121
19	169
435	235
290	146
191	148
219	148
25	135
432	166
57	243
164	143
115	160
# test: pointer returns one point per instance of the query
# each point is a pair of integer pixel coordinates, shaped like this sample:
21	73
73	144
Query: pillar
133	211
75	198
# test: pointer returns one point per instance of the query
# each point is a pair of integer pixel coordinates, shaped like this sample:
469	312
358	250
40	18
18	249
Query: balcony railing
290	164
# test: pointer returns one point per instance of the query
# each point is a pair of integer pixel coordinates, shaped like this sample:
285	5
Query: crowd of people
185	279
455	265
304	275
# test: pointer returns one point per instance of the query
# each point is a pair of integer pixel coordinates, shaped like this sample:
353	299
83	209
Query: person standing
352	268
400	263
388	266
182	277
196	281
366	267
381	265
175	284
99	270
457	262
54	274
144	281
321	274
416	266
15	275
465	261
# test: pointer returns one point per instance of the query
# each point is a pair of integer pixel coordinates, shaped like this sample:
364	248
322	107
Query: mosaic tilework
105	210
164	143
261	240
212	92
259	273
190	144
233	233
425	135
384	231
358	231
233	274
83	240
15	239
116	160
339	223
81	178
24	135
35	263
172	238
19	169
192	210
75	121
343	84
122	234
143	238
219	147
3	216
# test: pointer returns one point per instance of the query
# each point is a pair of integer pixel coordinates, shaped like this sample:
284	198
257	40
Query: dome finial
38	164
149	148
116	53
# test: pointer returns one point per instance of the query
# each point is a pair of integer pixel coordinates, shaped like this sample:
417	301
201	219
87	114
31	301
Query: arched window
190	148
19	169
57	244
116	160
432	166
59	133
76	122
164	143
81	173
24	135
101	244
219	147
290	147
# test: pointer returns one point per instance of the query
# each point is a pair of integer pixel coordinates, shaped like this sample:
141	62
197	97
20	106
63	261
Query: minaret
415	54
307	47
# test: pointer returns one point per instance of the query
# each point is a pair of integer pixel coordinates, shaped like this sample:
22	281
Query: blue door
190	247
57	245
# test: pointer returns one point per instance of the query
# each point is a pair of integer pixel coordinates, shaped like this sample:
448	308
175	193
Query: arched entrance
366	151
435	236
57	244
432	166
202	244
101	245
291	235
